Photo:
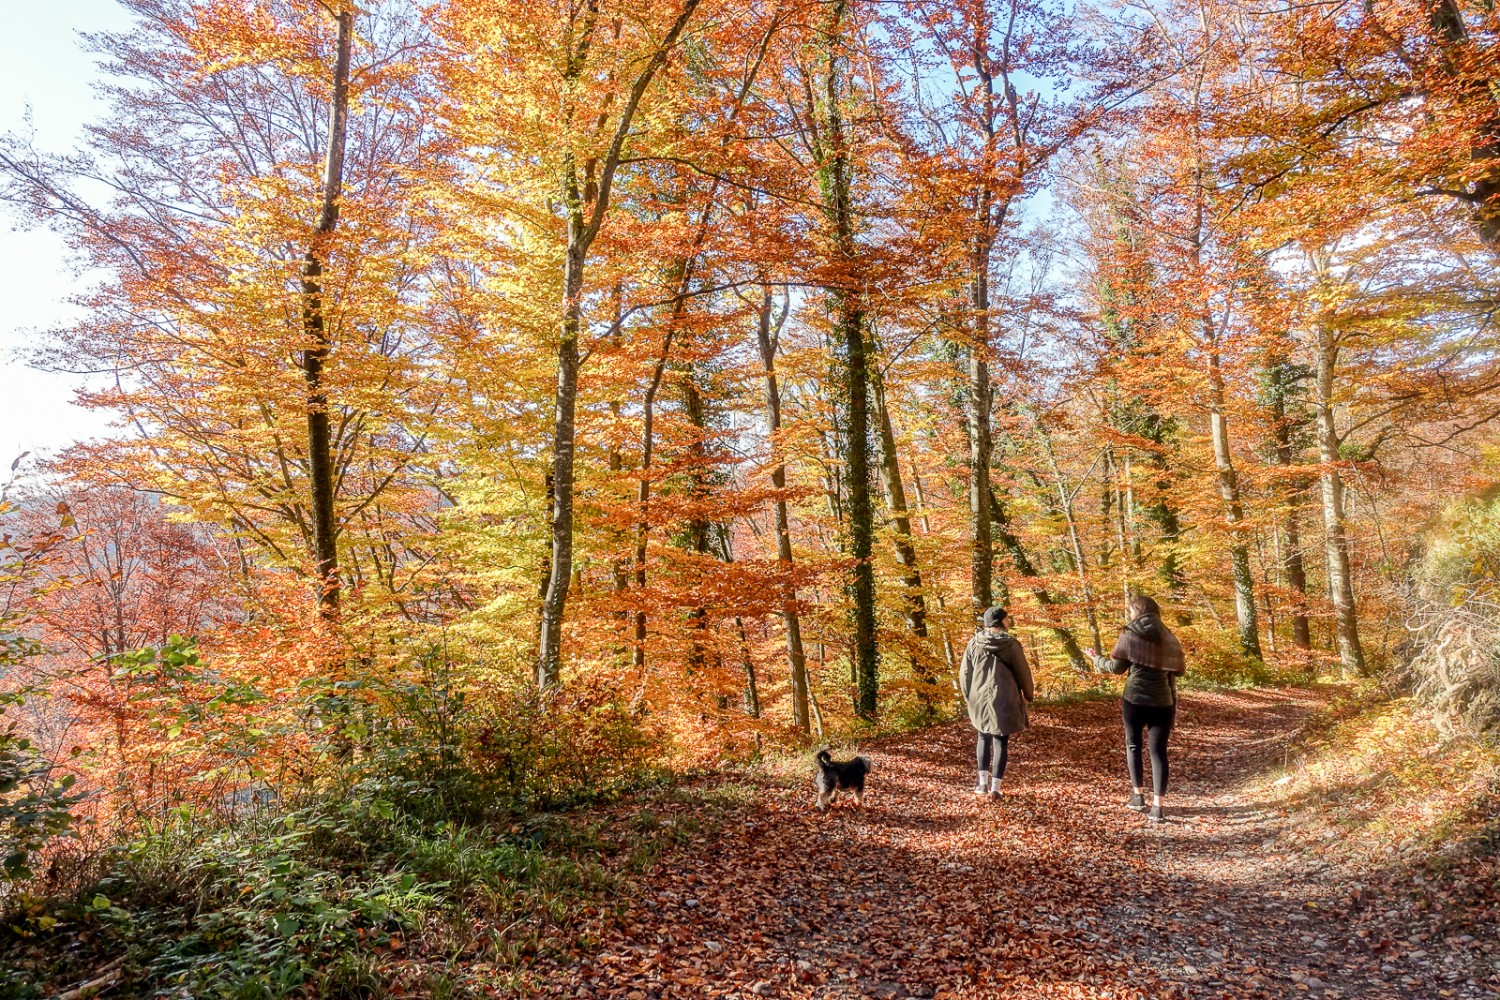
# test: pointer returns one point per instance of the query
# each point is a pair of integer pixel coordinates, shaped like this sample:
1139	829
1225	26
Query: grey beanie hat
995	617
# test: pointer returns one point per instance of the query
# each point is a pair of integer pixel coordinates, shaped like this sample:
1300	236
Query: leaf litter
1055	890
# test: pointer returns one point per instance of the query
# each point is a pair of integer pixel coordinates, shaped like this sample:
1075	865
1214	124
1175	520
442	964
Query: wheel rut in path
1055	890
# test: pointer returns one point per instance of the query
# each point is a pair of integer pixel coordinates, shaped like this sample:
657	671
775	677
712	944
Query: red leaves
1055	891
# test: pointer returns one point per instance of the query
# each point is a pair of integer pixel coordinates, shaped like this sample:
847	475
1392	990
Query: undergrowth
440	846
1380	778
342	896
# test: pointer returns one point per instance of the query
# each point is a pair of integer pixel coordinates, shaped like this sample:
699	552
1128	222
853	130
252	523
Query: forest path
1056	890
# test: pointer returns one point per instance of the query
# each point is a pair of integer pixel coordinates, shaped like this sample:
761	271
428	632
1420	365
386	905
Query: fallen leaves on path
1055	890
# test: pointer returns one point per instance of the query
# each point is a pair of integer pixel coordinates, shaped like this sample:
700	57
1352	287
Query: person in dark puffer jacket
1151	658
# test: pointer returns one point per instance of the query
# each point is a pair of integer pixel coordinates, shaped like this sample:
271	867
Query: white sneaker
983	788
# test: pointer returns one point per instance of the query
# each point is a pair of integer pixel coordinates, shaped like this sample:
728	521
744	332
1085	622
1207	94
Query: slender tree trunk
987	223
621	566
1065	503
699	527
1229	490
320	466
643	492
752	685
1296	579
796	659
949	654
1291	557
851	338
583	226
861	510
549	657
1340	577
982	546
1117	476
1024	566
895	498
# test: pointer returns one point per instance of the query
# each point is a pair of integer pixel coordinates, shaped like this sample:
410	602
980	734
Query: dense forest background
502	386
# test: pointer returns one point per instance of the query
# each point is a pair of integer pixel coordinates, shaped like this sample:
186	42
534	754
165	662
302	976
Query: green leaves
35	806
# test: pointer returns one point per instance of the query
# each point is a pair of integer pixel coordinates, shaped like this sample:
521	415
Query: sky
43	66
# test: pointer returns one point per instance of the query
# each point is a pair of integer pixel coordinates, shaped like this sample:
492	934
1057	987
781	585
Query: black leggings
1157	722
989	760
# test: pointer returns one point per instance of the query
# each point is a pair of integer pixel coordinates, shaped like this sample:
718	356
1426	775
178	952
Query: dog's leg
859	797
822	802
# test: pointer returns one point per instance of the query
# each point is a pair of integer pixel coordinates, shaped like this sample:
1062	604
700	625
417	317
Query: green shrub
438	748
311	899
35	808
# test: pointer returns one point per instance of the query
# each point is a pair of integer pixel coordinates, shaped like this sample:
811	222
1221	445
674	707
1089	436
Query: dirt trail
1056	890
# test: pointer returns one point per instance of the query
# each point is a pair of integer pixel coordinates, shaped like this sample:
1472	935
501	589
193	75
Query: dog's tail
824	757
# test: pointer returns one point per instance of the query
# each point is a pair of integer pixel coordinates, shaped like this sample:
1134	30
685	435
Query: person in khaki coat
995	681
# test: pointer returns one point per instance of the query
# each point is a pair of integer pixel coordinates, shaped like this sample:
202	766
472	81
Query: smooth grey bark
767	336
1246	618
1336	539
1245	613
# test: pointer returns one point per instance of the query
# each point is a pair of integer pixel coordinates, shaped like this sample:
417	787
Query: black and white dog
840	776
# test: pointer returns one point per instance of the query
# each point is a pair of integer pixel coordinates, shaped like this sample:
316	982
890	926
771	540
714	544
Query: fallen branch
110	973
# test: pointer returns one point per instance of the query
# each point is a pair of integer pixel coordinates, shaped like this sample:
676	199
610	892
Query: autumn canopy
707	366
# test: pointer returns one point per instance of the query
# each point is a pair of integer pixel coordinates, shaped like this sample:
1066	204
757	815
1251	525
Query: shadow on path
1054	890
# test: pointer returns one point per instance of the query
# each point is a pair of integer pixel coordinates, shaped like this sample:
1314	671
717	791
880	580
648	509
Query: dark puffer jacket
996	683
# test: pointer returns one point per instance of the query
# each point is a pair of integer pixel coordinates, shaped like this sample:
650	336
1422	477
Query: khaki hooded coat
995	681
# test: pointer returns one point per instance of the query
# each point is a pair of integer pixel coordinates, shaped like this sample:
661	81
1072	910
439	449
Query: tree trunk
895	498
549	656
643	493
1296	579
1292	567
982	546
861	510
1340	578
581	233
699	527
851	338
1460	52
621	563
320	468
752	685
1065	504
1234	514
1026	568
796	659
949	655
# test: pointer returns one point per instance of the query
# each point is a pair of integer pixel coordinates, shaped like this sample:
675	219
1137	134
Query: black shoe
1155	815
1136	802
